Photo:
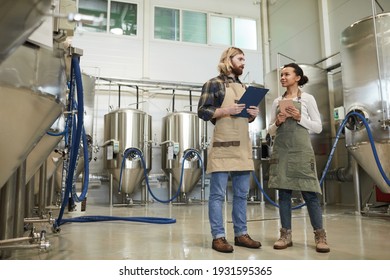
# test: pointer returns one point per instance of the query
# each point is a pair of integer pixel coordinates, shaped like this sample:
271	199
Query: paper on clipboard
283	104
251	97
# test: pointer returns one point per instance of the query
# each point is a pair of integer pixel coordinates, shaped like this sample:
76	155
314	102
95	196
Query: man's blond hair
225	63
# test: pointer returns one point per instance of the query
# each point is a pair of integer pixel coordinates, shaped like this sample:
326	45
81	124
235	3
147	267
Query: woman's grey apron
292	162
231	148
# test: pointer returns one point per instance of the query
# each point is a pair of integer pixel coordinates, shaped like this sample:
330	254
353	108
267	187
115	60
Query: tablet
251	97
283	104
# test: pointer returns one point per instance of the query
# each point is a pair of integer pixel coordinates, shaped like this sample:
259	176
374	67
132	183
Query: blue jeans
313	207
218	185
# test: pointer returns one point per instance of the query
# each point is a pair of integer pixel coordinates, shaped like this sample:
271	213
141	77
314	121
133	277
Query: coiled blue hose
371	138
139	153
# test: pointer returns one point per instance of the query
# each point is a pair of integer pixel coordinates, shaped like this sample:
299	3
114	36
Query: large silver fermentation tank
32	88
256	129
181	133
318	87
123	129
365	53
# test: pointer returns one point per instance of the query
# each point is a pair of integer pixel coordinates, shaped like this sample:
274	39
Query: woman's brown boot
320	239
284	240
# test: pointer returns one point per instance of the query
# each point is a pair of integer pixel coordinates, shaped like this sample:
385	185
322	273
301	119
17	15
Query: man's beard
237	71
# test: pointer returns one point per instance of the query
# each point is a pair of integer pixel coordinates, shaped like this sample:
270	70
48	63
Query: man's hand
234	109
253	111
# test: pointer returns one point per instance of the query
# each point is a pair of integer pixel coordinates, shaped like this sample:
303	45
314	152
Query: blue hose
75	141
371	138
84	188
139	153
87	219
56	134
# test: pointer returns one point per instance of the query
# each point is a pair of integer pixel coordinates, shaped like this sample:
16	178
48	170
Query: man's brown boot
320	239
221	245
246	241
285	239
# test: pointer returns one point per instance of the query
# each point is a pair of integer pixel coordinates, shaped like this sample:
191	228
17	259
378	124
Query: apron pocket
301	165
226	141
227	152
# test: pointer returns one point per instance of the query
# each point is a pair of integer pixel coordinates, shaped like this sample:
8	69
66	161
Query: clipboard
251	97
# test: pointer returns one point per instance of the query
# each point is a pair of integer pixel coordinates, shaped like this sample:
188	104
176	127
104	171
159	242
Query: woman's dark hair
299	72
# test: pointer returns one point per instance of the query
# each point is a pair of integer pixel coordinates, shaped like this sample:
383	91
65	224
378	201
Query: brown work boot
320	239
221	245
246	241
285	239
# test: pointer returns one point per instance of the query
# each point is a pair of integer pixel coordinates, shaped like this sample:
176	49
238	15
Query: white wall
143	57
294	31
295	27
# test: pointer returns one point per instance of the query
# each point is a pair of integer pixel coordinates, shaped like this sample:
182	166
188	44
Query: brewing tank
365	54
256	129
123	129
318	87
181	133
32	90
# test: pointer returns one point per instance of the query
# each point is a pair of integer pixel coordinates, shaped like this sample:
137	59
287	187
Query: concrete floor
350	236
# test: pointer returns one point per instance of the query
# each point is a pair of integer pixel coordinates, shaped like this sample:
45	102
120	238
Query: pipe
342	174
42	189
173	100
356	186
137	96
190	96
15	240
119	96
20	199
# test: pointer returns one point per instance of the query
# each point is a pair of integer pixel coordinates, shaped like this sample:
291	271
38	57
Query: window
220	30
245	35
166	24
119	17
123	18
94	8
194	27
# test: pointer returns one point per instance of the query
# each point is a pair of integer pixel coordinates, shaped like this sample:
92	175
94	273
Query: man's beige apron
292	162
231	148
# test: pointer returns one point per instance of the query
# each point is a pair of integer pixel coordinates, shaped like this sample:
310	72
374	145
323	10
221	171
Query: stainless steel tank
32	90
123	129
182	132
318	87
256	129
18	20
365	54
